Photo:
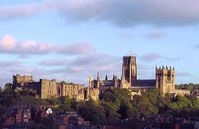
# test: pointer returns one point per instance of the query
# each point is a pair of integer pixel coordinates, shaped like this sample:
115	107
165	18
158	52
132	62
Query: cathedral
164	79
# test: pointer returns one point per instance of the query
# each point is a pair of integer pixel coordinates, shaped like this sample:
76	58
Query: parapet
22	78
165	68
46	80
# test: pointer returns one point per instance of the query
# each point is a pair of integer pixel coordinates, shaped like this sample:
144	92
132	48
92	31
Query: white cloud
8	44
75	49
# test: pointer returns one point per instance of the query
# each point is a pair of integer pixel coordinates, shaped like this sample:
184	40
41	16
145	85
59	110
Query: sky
73	39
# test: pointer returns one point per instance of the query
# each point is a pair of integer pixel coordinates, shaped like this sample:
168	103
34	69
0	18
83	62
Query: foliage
111	113
189	86
63	82
92	111
116	100
115	105
65	103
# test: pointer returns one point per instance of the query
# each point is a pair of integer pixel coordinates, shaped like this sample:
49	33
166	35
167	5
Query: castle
50	88
164	81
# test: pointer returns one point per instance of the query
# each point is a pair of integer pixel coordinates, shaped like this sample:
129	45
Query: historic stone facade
72	91
20	81
164	80
50	88
91	93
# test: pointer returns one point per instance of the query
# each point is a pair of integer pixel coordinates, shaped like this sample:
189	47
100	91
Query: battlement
20	81
46	80
165	68
162	70
165	79
23	78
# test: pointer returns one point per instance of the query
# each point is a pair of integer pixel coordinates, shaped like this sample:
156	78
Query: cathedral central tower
129	69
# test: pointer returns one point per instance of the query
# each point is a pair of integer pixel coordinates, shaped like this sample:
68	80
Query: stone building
44	88
92	93
20	81
102	85
164	79
50	88
72	91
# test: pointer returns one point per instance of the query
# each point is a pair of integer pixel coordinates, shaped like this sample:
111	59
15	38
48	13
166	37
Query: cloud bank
8	44
120	13
85	64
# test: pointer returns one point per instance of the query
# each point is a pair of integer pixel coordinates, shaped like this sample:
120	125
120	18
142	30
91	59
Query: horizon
72	40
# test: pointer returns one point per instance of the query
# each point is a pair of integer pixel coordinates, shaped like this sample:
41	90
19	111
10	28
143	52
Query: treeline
115	105
189	86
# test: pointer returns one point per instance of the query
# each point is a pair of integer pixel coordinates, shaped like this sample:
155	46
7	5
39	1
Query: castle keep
164	81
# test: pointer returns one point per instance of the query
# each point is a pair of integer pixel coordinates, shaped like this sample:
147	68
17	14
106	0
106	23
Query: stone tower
21	81
98	80
165	79
115	81
48	88
129	69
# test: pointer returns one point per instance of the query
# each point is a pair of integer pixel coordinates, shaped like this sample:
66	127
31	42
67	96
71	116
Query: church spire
106	77
98	78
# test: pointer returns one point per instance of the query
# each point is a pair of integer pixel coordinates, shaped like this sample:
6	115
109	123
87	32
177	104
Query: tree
144	106
120	98
65	103
92	111
74	104
111	113
28	100
63	82
8	96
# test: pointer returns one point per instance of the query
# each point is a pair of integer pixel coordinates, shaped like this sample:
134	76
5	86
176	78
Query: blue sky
72	40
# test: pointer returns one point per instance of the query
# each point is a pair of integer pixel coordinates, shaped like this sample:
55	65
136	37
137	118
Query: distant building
50	88
21	81
44	88
15	116
164	79
70	120
72	91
